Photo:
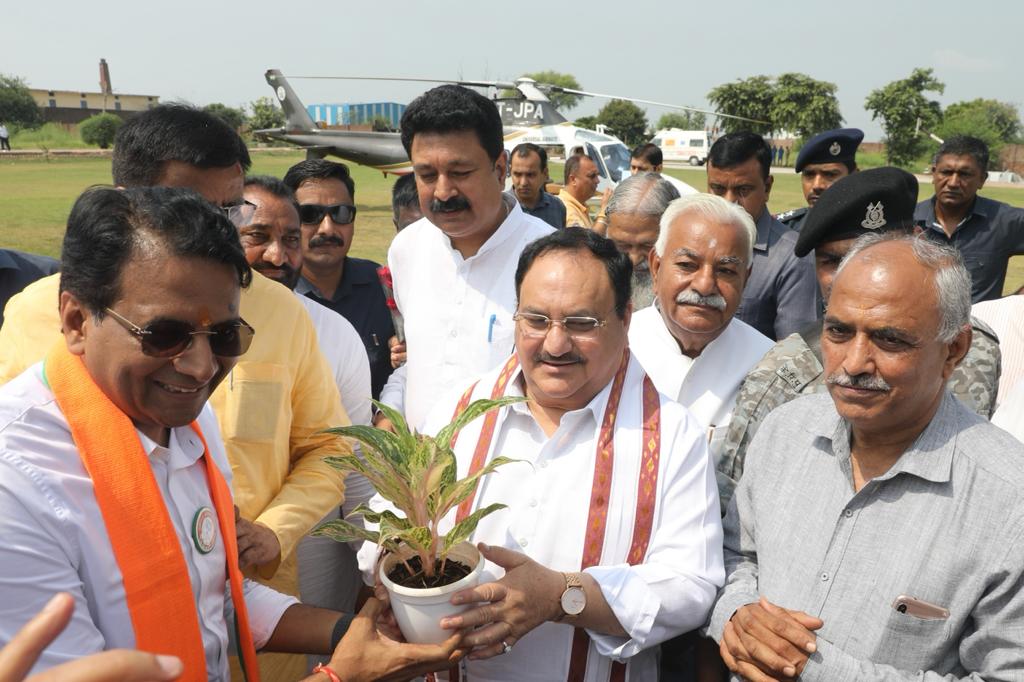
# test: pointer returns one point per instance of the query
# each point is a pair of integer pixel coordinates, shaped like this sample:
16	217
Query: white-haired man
634	212
876	532
690	342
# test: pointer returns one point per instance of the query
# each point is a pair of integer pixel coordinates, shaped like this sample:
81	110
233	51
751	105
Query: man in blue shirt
529	174
985	232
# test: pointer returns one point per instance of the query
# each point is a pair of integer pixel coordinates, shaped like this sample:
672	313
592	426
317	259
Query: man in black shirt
349	286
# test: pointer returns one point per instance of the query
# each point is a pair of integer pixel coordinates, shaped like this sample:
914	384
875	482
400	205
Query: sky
668	50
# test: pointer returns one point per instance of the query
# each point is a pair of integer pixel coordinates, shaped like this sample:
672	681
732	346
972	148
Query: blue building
356	114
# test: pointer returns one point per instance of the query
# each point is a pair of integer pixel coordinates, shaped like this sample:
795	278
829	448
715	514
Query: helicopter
527	116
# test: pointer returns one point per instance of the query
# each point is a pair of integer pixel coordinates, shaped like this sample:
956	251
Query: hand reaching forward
527	596
120	665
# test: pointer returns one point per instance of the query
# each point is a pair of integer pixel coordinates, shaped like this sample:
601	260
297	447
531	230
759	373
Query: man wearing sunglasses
113	482
280	395
349	286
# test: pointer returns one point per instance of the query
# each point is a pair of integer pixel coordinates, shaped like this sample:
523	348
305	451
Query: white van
690	146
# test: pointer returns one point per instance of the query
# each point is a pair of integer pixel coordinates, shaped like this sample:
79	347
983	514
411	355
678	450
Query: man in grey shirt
877	531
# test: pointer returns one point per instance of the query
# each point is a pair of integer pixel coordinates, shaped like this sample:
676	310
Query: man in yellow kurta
274	403
581	180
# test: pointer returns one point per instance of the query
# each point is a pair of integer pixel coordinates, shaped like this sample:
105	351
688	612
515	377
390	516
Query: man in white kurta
453	269
571	377
689	341
55	539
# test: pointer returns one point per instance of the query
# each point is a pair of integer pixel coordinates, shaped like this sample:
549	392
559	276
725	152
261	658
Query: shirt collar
764	230
505	231
593	409
570	199
183	447
924	214
929	457
6	261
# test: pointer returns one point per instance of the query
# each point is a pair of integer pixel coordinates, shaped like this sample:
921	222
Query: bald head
896	327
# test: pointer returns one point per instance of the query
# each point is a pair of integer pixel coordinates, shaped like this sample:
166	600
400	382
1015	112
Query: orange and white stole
594	540
157	587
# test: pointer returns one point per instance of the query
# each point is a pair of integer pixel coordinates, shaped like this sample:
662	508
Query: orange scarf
157	587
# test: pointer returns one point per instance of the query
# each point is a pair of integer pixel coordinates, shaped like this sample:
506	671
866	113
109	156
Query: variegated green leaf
465	528
340	530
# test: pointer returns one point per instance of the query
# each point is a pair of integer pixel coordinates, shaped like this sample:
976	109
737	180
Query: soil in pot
452	571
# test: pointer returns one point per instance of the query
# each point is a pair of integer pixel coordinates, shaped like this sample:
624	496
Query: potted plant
417	474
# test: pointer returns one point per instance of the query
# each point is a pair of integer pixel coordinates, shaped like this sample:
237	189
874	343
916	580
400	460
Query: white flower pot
419	610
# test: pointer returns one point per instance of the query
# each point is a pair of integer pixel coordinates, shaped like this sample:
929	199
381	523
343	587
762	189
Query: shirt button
533	503
848	513
453	333
522	542
544	464
824	577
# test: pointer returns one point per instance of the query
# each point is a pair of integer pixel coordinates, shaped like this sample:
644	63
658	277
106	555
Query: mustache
567	359
456	203
324	240
865	381
691	297
286	269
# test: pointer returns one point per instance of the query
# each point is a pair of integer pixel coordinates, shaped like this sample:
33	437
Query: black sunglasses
313	214
170	338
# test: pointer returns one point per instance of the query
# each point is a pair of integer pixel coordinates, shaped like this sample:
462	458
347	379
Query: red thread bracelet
321	668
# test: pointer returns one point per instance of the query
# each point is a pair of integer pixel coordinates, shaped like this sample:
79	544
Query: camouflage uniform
793	367
794	219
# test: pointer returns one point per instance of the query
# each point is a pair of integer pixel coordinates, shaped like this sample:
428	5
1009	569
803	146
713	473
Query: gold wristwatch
574	599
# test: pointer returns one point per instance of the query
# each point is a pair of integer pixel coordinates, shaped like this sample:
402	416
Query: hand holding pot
364	654
527	596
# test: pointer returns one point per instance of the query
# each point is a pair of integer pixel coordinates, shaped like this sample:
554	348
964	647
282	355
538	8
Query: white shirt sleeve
393	393
265	607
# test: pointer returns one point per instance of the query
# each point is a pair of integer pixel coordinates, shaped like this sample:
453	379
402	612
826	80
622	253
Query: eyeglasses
536	325
170	338
313	214
240	214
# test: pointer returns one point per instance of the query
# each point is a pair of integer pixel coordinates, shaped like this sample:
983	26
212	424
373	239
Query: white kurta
55	540
343	347
548	498
1006	317
708	384
1010	415
458	312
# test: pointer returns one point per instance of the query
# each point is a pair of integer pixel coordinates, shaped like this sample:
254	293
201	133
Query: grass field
36	195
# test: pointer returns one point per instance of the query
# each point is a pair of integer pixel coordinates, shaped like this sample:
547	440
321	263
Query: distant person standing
781	295
5	143
646	158
529	173
405	202
826	158
581	180
984	231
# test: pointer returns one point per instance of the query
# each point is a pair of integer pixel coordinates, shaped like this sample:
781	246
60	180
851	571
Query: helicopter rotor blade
570	91
478	84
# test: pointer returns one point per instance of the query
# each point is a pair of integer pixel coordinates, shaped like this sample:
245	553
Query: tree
588	122
1002	117
265	114
17	108
100	129
899	105
684	120
625	119
233	116
804	106
752	97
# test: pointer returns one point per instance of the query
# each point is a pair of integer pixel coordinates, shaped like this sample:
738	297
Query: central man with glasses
611	542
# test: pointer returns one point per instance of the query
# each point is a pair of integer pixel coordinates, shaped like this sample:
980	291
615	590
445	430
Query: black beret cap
862	202
831	146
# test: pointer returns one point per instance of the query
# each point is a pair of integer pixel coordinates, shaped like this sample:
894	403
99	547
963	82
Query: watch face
574	600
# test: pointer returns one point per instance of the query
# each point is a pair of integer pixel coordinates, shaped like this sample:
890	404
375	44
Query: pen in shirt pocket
490	327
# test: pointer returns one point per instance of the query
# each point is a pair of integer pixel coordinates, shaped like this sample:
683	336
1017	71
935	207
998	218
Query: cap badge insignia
875	218
835	149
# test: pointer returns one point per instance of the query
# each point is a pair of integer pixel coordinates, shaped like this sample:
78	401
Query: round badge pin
204	530
835	149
